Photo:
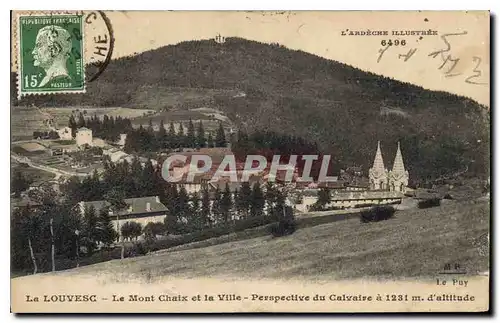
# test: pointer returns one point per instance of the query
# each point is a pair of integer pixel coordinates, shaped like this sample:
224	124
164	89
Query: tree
152	229
26	230
181	138
244	199
131	230
257	201
324	197
205	208
200	136
126	230
182	210
217	207
81	121
19	183
190	135
90	231
226	204
171	136
72	124
105	231
270	196
210	141
147	179
47	197
162	135
220	136
195	221
117	203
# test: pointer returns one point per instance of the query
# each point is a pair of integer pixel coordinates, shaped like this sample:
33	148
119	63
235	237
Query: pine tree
244	199
257	201
210	141
81	121
182	209
190	135
72	124
195	219
116	199
148	174
171	137
105	229
220	137
162	136
324	197
205	208
217	207
200	136
226	205
90	233
136	173
270	197
181	138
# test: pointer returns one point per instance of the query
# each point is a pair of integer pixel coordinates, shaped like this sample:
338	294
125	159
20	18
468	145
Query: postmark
50	54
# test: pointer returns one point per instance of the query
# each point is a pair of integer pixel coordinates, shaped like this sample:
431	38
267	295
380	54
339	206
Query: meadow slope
416	243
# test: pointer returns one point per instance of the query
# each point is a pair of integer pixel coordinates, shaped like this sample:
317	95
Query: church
395	180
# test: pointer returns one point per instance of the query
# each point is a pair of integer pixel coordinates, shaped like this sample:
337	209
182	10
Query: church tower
398	176
378	175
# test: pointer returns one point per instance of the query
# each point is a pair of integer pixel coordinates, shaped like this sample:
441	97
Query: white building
143	210
84	136
65	133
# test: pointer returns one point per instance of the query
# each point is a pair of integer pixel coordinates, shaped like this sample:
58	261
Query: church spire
398	166
378	163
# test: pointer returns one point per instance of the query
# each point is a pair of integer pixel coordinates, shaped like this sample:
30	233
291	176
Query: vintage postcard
250	161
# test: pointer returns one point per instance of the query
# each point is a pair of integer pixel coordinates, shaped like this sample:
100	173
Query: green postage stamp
50	54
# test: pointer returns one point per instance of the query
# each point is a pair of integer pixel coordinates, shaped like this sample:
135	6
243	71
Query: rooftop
136	205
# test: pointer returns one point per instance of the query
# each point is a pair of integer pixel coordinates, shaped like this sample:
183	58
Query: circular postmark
99	43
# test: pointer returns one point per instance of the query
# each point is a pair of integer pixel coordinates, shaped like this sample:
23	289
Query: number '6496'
395	42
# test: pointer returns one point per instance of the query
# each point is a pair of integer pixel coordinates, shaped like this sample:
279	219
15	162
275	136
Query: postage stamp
50	54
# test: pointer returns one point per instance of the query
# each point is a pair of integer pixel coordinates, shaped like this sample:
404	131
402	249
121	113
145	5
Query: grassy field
416	243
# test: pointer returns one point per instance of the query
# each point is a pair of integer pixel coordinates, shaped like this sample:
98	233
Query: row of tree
147	139
222	207
109	128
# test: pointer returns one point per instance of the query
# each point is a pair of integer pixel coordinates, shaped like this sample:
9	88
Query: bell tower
378	174
398	176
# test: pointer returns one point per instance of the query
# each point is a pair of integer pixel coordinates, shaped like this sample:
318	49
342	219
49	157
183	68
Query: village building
65	133
143	210
83	137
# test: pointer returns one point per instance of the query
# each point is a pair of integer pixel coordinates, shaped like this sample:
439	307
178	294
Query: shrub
138	249
432	202
377	213
285	226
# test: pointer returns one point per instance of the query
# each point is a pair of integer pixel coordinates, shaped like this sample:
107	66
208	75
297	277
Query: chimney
148	207
157	199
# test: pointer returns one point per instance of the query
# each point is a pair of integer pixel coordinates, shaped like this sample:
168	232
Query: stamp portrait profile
50	54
